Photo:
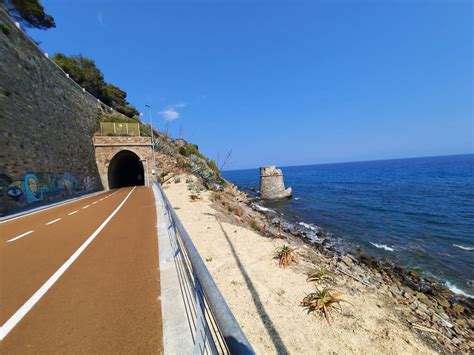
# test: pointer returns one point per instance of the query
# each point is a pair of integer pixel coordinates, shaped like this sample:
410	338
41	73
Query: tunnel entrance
125	169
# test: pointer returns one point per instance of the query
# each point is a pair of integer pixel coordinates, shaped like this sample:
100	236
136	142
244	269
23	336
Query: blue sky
286	83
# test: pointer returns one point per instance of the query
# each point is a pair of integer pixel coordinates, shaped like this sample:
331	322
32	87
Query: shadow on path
267	322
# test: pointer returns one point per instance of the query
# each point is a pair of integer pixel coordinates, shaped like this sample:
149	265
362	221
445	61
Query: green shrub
184	165
177	180
5	29
117	119
213	166
216	196
191	149
165	146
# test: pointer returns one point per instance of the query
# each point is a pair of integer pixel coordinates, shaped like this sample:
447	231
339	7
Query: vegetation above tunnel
85	72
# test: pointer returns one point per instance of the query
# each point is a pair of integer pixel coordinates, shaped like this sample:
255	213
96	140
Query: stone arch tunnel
123	161
125	169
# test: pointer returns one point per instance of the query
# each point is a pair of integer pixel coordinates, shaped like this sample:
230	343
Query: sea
417	213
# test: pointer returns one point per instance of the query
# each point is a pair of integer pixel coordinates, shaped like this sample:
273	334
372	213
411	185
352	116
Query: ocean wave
309	226
263	209
458	291
463	247
296	198
382	246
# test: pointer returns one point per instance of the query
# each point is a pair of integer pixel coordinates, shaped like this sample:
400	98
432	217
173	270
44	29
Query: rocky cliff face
271	183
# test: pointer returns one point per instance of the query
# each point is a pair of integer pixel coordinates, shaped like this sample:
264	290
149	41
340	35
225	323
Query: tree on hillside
29	12
85	72
116	98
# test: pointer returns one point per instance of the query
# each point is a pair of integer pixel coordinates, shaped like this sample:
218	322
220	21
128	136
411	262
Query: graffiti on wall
35	187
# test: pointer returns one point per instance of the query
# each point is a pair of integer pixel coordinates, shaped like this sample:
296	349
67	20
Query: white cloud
100	19
170	113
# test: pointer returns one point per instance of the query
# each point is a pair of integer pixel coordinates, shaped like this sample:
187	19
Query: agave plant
320	275
286	256
322	301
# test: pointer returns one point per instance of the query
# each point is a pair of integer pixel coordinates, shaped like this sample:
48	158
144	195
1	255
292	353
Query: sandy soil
265	298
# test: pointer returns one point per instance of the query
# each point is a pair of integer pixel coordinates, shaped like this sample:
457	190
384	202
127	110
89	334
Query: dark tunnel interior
125	169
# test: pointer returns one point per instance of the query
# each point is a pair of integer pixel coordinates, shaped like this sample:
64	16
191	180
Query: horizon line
359	161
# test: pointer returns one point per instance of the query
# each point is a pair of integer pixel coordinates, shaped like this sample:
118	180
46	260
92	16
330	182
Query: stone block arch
108	148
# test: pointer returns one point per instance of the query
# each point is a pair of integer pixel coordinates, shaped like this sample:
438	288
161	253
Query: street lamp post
152	138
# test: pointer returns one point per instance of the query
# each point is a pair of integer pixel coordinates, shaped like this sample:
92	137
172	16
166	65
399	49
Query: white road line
70	214
94	202
19	236
53	221
85	207
28	305
44	208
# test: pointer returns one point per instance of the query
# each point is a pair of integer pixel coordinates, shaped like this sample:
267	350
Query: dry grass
216	196
286	256
194	197
257	225
239	211
322	301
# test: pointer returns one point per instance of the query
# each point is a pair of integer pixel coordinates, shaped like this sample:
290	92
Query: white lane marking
28	305
54	205
53	221
85	207
71	213
94	202
19	236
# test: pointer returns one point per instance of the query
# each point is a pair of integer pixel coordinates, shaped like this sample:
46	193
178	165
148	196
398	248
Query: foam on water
382	246
463	247
458	291
309	226
262	209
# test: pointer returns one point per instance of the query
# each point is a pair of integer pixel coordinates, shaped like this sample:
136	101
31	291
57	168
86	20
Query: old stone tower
271	183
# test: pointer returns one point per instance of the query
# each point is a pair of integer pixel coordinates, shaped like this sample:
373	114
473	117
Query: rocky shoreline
440	317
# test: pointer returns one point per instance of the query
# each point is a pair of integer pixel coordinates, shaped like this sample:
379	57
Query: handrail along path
216	329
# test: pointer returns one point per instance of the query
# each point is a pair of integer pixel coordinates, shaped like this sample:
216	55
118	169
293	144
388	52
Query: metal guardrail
119	129
216	330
